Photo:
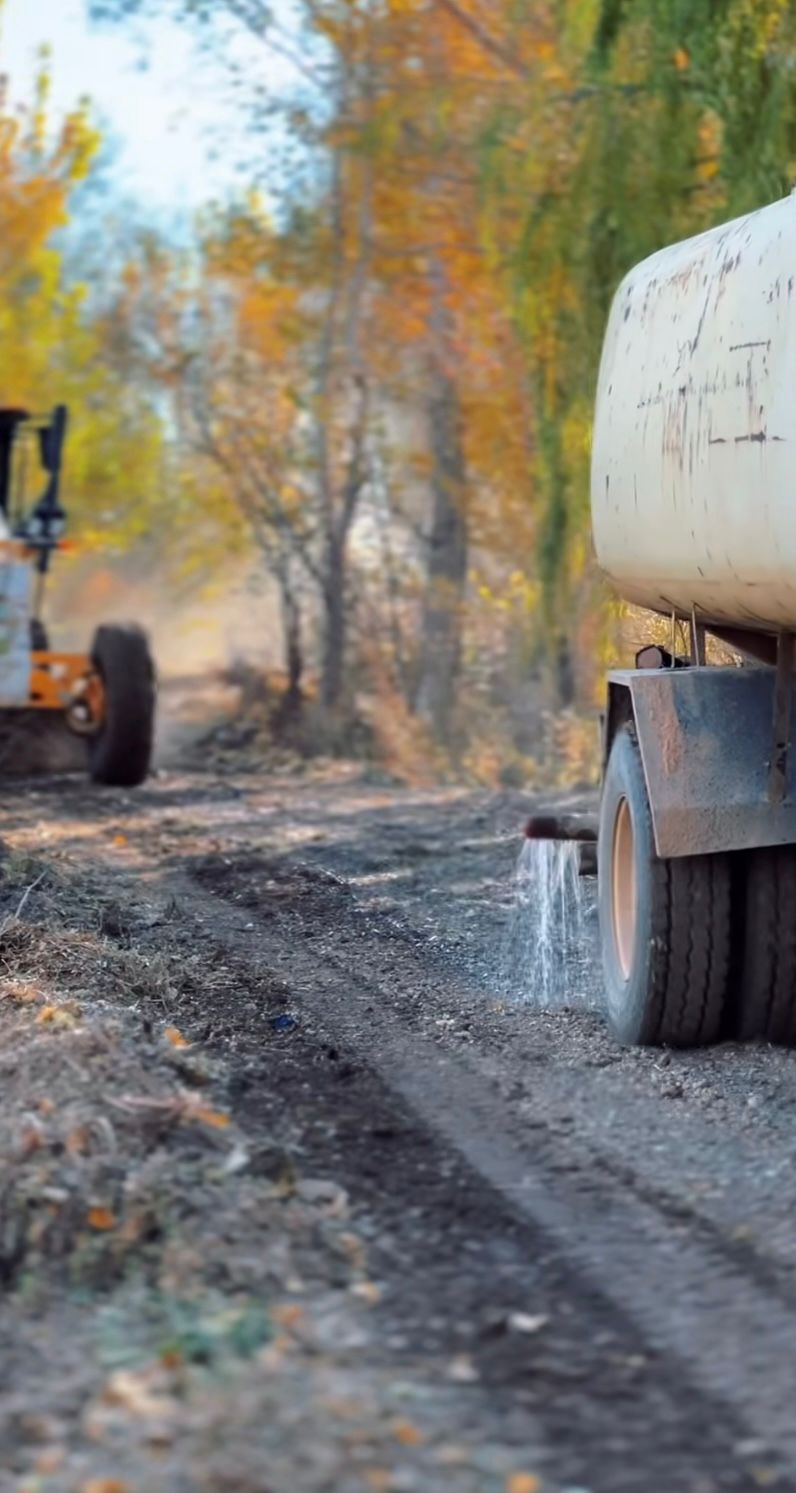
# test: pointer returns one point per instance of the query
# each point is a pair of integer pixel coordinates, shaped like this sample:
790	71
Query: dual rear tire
766	993
696	948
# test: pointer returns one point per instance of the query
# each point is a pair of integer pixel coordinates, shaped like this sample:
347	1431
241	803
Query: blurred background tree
373	370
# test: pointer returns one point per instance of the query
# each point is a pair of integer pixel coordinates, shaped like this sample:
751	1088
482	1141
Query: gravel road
581	1260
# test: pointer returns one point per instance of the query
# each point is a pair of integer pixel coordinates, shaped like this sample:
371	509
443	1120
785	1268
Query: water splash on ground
549	955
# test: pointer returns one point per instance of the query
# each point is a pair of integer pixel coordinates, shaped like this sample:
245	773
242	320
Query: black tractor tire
120	754
666	964
766	994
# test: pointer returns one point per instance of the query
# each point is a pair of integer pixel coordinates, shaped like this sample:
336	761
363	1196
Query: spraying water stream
549	954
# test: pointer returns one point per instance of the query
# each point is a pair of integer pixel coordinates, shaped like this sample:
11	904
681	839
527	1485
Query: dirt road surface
300	1193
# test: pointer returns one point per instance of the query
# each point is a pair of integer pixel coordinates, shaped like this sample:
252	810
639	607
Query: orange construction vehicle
106	696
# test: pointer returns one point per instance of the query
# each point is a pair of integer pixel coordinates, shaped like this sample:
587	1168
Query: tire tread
768	968
121	753
688	969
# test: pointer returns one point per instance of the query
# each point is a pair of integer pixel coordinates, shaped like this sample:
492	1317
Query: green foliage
664	119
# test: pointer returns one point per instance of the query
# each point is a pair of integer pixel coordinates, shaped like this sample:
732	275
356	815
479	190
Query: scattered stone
323	1193
522	1322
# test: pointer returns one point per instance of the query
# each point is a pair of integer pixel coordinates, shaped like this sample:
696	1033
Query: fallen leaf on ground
61	1016
25	995
104	1485
408	1434
175	1037
183	1106
287	1315
211	1117
138	1391
522	1482
101	1218
77	1141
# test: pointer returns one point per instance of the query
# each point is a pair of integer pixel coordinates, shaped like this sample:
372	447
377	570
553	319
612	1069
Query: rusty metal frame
710	755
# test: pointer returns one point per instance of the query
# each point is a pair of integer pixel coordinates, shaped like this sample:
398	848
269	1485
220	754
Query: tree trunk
447	564
335	626
294	652
564	674
289	708
342	371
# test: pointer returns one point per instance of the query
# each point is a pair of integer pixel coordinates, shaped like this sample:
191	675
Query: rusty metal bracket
783	707
698	641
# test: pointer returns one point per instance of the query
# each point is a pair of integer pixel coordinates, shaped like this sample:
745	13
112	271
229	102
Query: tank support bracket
698	641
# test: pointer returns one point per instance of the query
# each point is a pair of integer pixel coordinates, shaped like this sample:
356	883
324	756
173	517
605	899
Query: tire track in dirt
631	1279
719	1337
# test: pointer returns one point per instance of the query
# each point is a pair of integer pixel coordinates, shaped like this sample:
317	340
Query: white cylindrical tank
694	451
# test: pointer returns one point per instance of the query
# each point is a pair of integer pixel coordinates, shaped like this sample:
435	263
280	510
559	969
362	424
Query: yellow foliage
573	749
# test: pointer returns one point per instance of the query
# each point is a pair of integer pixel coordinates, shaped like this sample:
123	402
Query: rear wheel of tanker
767	969
665	924
120	751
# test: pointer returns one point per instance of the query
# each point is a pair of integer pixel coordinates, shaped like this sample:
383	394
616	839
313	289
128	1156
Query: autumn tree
325	260
241	411
53	344
482	176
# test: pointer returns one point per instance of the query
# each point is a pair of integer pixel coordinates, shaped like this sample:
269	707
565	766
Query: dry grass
115	1144
179	1310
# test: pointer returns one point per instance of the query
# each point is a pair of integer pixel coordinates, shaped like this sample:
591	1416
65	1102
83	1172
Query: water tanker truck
693	502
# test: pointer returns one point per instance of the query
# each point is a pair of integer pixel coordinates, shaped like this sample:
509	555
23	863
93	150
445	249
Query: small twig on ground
8	923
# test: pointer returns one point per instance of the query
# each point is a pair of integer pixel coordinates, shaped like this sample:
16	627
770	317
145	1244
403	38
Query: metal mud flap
706	737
